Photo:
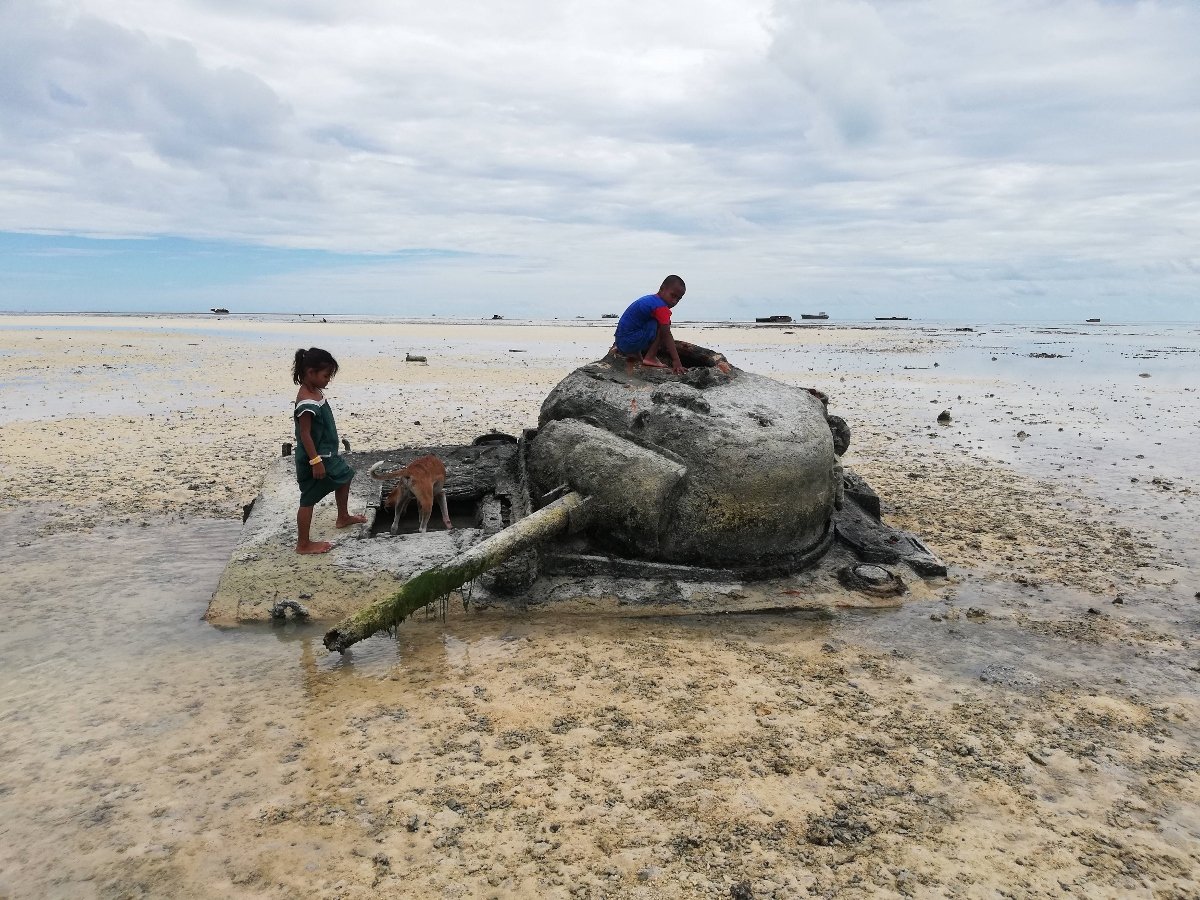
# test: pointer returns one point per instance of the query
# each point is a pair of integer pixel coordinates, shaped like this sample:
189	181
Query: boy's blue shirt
637	325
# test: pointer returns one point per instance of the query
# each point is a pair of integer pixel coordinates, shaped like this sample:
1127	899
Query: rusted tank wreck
716	490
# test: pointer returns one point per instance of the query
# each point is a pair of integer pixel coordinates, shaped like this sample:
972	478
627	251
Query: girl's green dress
325	439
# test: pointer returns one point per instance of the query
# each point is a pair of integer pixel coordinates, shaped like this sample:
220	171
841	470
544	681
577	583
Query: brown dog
423	478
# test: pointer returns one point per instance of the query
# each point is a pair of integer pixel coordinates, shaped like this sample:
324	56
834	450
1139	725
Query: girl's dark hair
312	358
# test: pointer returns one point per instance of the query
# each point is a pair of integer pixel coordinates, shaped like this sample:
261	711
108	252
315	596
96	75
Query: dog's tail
387	476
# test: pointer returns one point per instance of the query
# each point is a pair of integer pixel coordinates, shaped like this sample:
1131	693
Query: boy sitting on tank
645	327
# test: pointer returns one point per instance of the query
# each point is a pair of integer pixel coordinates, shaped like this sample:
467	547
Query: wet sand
1030	732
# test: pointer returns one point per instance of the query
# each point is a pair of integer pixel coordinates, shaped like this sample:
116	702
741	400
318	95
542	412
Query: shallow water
1087	421
146	753
142	748
109	684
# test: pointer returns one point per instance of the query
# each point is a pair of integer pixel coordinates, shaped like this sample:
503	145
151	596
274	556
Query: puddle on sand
146	753
1032	639
128	728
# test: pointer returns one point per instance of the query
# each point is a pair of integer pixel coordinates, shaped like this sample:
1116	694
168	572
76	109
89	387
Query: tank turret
756	474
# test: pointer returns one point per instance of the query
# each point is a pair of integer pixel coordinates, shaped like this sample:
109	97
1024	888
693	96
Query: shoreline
11	317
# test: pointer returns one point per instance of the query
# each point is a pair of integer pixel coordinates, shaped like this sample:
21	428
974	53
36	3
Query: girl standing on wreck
319	468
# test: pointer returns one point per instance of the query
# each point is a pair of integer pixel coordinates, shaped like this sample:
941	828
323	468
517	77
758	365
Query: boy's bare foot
653	363
347	521
314	547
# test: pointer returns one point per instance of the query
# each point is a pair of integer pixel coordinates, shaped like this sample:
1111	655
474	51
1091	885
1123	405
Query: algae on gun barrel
425	588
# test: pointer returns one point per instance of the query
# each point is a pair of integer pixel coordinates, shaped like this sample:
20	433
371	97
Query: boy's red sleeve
662	315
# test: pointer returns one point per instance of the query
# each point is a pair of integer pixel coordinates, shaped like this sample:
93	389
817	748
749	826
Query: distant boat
220	310
1093	320
891	318
609	316
820	315
774	319
496	317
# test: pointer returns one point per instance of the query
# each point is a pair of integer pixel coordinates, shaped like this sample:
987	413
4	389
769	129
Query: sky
995	160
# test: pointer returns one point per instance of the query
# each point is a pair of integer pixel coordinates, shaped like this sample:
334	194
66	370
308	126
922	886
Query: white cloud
843	61
836	148
77	76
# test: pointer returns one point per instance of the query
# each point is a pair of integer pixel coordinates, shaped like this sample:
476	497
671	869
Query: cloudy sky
967	159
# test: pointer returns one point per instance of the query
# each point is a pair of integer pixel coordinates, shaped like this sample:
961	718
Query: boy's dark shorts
337	473
635	348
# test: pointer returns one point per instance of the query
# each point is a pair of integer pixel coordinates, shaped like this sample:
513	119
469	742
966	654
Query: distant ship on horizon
777	319
820	315
891	318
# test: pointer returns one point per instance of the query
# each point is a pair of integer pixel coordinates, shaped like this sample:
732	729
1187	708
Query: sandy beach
1031	731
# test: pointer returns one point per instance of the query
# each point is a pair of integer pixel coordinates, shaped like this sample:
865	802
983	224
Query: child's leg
304	542
650	357
632	358
344	519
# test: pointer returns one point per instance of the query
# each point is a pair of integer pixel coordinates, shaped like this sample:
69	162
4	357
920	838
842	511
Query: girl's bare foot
653	363
347	521
314	547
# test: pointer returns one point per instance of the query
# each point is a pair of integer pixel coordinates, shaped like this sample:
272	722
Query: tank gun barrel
568	513
611	479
